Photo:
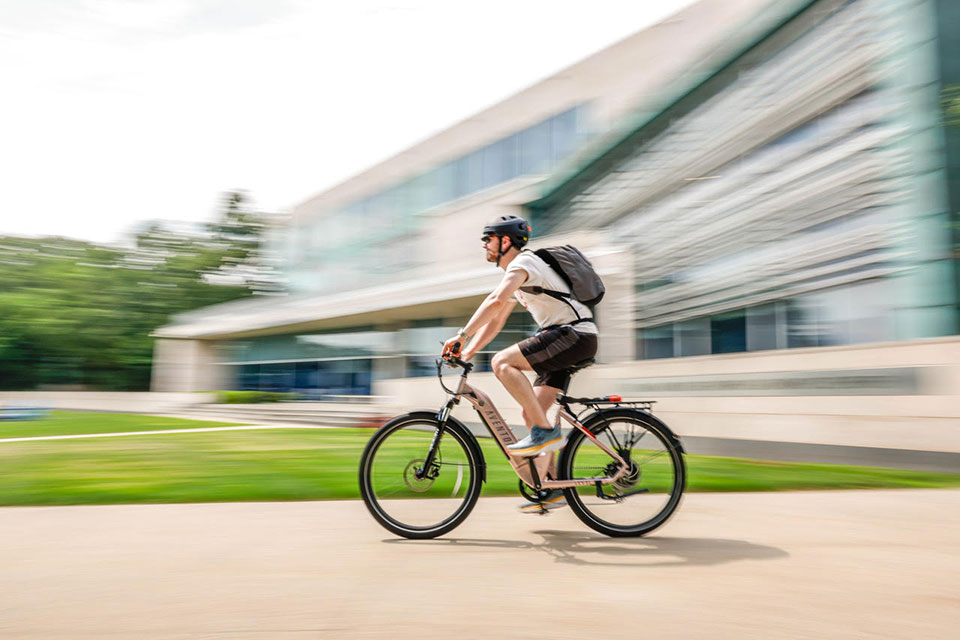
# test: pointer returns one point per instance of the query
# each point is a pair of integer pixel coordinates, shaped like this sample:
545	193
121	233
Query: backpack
575	270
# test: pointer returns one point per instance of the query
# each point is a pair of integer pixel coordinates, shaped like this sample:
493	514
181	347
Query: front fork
442	416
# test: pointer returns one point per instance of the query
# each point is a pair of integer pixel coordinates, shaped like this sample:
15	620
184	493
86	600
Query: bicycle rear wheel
405	497
647	495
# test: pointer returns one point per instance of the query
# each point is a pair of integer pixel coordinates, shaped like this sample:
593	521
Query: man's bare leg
546	396
508	365
546	467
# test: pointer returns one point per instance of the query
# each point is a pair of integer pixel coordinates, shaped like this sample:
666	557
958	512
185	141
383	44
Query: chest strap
557	295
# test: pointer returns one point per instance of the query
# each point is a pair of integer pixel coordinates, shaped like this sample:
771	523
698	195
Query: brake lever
452	360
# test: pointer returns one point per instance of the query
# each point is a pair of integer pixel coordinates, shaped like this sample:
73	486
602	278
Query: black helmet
513	227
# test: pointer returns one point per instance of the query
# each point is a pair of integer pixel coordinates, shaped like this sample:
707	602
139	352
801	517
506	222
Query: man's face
492	246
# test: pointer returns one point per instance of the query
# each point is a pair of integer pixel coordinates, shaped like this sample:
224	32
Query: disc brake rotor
414	483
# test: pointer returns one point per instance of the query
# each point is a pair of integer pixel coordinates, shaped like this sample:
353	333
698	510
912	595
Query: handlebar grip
456	348
454	361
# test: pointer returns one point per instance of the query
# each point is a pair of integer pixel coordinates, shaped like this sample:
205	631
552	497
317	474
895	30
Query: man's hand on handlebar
453	346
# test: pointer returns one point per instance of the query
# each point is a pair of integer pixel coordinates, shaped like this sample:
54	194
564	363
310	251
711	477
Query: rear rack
646	405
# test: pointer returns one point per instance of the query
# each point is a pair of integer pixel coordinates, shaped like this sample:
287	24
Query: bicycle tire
426	422
580	498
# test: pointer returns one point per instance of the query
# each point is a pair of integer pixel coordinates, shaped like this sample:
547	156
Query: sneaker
554	500
539	441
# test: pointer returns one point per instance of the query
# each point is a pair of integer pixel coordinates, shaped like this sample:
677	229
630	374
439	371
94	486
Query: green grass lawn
63	423
307	464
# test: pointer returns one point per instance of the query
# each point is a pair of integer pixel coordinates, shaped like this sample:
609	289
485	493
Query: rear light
614	398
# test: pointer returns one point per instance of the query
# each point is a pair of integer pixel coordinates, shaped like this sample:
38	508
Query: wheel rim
419	503
655	469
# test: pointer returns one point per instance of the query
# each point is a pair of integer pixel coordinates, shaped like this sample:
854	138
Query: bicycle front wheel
647	495
406	495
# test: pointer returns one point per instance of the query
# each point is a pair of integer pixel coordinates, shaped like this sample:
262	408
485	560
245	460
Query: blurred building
770	189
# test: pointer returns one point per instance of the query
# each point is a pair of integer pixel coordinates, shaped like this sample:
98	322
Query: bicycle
627	486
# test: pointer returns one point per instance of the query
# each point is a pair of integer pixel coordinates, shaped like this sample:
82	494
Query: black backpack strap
559	295
565	324
547	257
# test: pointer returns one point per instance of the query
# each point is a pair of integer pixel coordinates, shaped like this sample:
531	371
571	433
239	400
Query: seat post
572	370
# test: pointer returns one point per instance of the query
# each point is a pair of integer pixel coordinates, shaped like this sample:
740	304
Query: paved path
869	564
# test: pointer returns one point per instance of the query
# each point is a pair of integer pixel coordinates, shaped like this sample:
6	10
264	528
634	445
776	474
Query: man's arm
491	308
489	331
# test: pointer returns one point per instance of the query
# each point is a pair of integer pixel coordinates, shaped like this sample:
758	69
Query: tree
77	313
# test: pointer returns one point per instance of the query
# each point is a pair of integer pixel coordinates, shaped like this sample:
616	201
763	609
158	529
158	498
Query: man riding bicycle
566	337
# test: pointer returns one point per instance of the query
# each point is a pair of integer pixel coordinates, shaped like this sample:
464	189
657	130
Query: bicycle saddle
583	364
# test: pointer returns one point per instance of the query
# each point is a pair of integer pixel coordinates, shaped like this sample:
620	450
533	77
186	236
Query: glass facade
845	315
347	362
327	253
311	380
792	200
423	342
314	365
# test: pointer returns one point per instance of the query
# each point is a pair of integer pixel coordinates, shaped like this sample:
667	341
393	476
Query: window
694	336
473	172
421	342
762	328
871	313
833	321
536	150
498	161
421	193
728	332
658	342
309	380
351	343
306	375
851	314
802	330
565	136
247	377
446	183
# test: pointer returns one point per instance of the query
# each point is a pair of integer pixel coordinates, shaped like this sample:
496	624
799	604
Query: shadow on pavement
595	549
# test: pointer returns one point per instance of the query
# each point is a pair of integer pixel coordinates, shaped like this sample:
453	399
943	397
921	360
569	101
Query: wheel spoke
635	438
612	439
652	456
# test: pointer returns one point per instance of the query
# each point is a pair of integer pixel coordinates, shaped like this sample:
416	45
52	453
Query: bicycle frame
532	470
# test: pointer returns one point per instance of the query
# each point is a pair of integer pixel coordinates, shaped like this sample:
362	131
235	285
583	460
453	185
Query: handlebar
452	361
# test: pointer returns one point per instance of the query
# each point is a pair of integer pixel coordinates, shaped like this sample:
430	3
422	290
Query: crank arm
603	496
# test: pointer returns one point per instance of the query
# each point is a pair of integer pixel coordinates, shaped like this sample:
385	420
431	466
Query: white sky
119	111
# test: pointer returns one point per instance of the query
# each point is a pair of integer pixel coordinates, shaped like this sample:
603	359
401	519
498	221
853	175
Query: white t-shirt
546	310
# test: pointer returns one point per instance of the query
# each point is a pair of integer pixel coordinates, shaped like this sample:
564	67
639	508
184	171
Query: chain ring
529	492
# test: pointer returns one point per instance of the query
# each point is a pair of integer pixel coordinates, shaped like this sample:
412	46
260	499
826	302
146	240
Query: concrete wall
126	402
889	395
185	365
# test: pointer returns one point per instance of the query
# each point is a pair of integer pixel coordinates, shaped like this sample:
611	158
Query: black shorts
552	351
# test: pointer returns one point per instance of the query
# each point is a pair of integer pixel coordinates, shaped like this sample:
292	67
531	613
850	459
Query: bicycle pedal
537	509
